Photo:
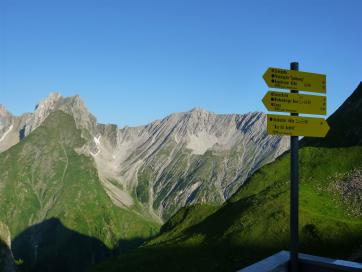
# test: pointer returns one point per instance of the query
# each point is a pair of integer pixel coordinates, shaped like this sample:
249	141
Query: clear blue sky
136	61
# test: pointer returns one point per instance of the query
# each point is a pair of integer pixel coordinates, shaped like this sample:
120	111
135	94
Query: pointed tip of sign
266	77
325	127
265	100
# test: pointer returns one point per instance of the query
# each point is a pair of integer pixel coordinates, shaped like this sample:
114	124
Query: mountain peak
50	101
55	101
198	110
3	111
5	116
78	101
198	114
54	95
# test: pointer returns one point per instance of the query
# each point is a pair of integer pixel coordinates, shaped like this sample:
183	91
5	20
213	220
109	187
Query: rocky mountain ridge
185	158
15	128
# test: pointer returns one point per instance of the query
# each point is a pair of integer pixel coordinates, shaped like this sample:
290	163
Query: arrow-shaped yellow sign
295	103
296	125
295	80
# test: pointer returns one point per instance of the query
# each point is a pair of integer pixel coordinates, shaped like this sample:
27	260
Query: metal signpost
294	196
295	126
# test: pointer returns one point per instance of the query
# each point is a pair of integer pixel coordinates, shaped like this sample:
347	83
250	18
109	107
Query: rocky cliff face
185	158
11	128
15	128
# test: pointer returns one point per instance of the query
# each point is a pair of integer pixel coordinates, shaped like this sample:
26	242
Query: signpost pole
295	126
294	241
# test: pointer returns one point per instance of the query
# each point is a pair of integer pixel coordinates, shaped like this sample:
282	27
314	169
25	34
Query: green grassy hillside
254	223
43	178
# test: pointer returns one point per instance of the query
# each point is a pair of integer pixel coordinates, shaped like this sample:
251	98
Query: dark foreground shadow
208	248
50	246
223	256
124	246
6	258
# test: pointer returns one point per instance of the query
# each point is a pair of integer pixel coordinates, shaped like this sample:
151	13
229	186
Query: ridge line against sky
136	62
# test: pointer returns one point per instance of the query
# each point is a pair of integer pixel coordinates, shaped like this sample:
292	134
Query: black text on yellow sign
295	80
296	126
295	103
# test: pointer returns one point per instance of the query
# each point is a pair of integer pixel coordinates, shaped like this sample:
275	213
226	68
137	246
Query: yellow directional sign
296	126
295	80
295	103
